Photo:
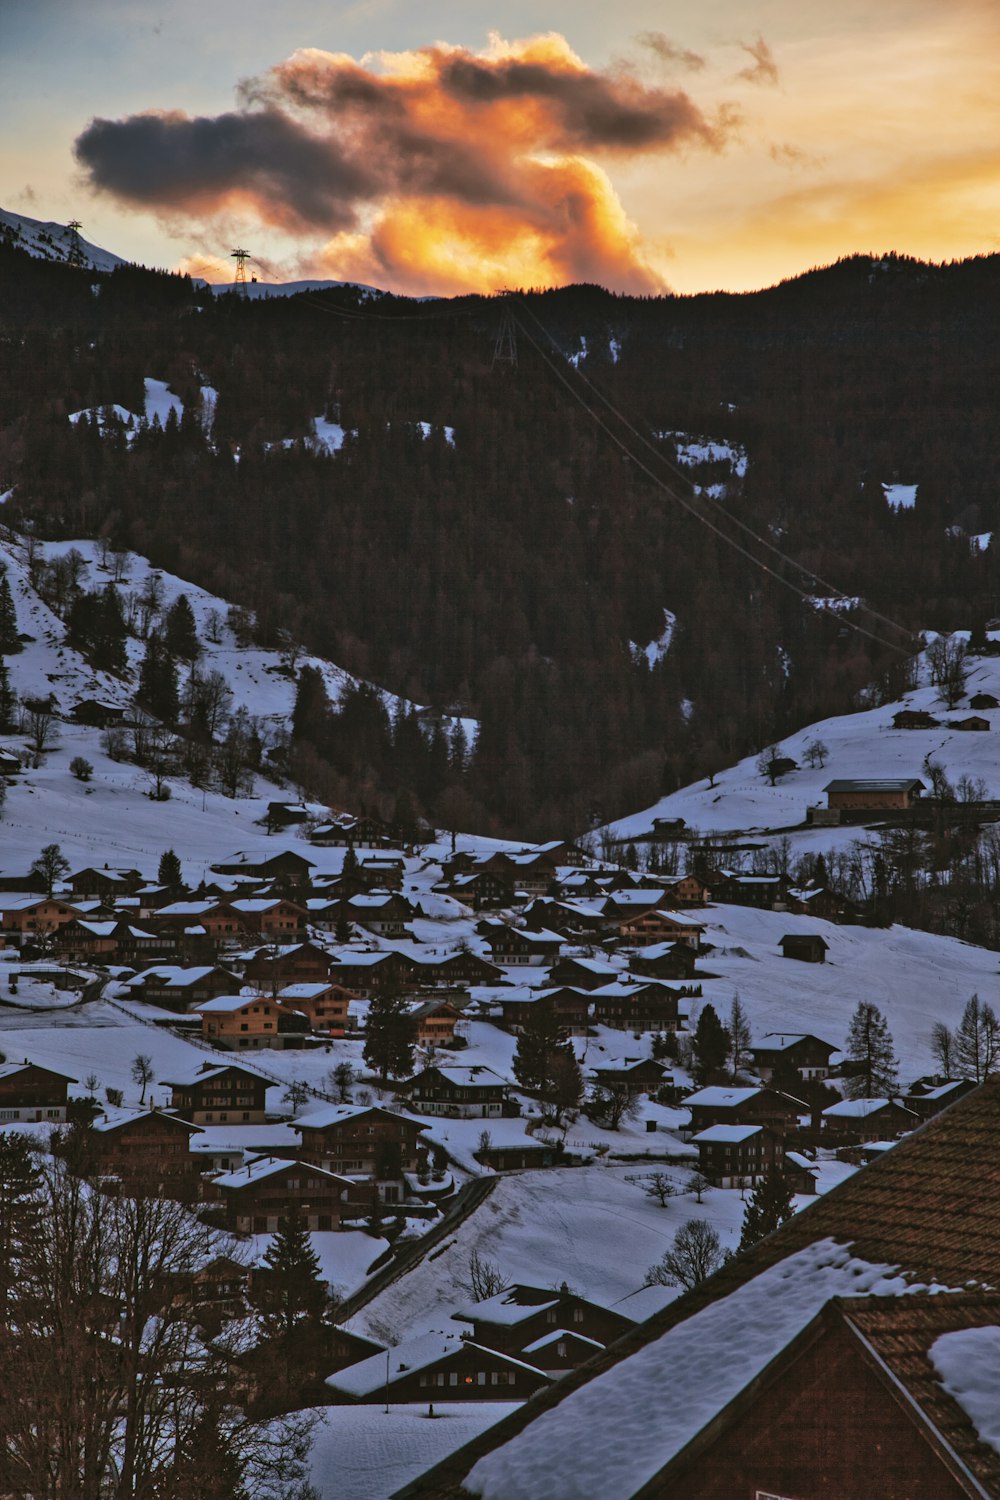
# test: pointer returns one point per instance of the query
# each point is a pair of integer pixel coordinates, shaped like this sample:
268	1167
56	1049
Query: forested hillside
476	537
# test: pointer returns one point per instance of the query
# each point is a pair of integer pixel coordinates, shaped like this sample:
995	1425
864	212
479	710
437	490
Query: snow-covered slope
51	241
860	744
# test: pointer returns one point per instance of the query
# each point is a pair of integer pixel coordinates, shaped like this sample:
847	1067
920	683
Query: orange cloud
439	168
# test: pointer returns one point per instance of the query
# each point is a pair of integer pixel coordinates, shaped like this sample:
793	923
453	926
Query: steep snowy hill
51	241
864	744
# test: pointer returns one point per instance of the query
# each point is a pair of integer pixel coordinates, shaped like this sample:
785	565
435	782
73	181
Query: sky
455	145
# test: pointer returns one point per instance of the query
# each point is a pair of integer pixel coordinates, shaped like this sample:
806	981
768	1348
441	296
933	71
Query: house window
578	1315
552	1316
453	1378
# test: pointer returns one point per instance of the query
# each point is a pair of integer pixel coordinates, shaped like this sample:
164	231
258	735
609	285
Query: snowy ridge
50	241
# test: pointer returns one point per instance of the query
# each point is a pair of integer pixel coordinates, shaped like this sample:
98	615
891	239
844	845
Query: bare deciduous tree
695	1254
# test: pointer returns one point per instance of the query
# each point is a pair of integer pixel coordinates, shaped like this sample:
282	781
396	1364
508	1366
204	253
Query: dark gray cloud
171	161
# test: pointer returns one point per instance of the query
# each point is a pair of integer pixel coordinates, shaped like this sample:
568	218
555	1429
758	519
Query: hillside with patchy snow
863	744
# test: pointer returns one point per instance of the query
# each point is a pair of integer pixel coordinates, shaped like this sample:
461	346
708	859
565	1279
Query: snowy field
591	1227
363	1453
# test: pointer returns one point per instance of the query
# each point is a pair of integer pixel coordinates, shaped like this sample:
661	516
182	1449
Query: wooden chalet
250	1022
362	832
737	1155
914	718
853	1121
800	1173
287	865
573	1008
29	1092
667	960
720	1105
362	1141
98	713
483	890
292	963
647	1006
471	1093
326	1006
518	946
928	1100
174	987
23	917
517	1319
272	917
974	722
875	793
222	1094
260	1196
984	700
807	1054
370	974
104	883
147	1152
386	913
821	901
455	969
437	1367
436	1021
736	889
688	889
582	973
644	1076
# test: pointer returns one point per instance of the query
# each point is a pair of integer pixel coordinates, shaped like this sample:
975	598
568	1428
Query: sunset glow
734	150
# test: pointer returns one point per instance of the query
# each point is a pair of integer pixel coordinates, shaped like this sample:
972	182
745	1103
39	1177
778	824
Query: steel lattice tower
241	257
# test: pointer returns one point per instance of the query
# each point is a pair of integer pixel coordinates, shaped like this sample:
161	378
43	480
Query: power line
697	514
693	510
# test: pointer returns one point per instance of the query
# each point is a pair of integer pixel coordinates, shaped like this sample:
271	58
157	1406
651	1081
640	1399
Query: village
441	1118
374	1037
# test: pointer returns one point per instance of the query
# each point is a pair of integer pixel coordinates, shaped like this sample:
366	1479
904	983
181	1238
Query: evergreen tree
740	1036
540	1042
8	698
870	1049
20	1180
158	681
292	1290
208	1466
108	646
9	642
350	864
976	1043
311	713
768	1206
390	1034
180	633
168	871
710	1043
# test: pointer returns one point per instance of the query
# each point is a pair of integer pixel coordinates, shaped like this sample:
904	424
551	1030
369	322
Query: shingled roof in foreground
929	1209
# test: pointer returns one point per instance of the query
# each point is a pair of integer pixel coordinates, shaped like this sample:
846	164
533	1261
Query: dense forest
502	558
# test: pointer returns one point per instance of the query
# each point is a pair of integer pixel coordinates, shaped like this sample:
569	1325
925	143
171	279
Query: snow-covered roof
718	1097
855	1109
555	1336
410	1358
503	1310
726	1135
272	1166
626	1423
224	1004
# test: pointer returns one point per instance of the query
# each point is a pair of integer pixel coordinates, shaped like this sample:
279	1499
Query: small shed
808	947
